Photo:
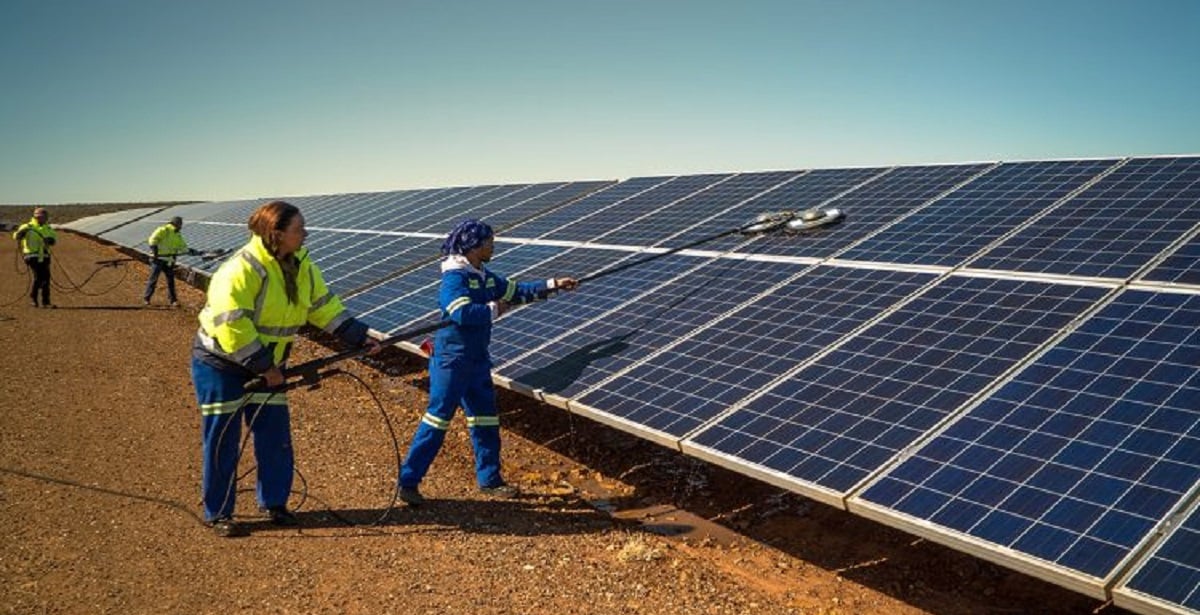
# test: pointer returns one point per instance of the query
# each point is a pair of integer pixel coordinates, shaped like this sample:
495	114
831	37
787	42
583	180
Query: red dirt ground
99	470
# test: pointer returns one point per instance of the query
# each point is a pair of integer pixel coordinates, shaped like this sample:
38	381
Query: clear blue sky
140	100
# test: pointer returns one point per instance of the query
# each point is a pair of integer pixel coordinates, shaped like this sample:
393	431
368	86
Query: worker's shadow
557	376
527	515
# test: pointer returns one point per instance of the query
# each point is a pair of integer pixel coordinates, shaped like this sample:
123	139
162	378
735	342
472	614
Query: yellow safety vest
248	309
33	244
169	241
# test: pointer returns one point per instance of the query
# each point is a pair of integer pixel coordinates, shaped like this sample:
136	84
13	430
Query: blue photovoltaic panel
553	220
448	211
805	192
95	225
547	201
1181	267
1076	459
870	207
348	211
675	392
603	347
211	238
394	211
137	233
442	219
514	207
596	223
1171	573
843	417
954	228
1111	229
681	215
530	327
373	259
400	301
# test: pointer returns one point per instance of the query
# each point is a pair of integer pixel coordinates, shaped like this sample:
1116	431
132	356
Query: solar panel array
1002	357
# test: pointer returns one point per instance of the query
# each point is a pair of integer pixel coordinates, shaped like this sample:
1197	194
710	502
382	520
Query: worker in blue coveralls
471	298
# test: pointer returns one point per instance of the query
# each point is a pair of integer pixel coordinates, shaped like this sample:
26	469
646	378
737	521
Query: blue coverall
460	369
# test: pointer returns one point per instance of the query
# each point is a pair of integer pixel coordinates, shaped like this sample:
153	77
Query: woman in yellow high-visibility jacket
257	301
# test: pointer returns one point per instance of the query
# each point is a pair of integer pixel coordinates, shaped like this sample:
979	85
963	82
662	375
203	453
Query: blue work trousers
455	381
223	401
160	266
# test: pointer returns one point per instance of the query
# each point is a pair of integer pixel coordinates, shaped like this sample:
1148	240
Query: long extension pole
310	372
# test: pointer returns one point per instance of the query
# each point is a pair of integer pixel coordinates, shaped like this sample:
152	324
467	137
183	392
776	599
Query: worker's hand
566	283
193	252
273	377
502	307
372	346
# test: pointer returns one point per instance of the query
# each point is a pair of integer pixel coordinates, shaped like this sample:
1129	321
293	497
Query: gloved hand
566	283
193	252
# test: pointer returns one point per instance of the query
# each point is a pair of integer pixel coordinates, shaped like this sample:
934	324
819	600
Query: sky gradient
150	100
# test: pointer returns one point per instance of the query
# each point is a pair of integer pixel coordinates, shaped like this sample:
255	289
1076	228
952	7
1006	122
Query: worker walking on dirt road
257	301
166	243
471	298
36	237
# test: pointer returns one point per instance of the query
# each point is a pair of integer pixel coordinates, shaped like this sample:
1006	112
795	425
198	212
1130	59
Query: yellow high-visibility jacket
169	241
35	239
248	320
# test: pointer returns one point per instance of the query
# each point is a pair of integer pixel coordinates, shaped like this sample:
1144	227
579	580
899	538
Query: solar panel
367	261
591	352
492	209
525	329
402	300
805	192
95	225
680	215
558	196
873	205
597	222
1181	267
1071	464
1111	229
1168	580
672	393
955	227
830	425
542	225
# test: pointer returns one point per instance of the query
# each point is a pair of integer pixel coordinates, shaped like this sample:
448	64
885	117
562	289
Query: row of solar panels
1000	357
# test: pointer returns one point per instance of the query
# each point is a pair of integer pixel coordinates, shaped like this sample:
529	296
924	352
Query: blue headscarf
468	235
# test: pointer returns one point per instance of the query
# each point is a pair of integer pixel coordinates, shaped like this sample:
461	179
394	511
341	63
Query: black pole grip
309	371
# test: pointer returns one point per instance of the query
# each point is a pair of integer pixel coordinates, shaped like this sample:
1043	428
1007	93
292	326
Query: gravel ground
99	470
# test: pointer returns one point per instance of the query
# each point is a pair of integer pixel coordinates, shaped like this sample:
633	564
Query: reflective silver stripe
210	344
230	316
510	291
254	264
224	407
252	400
435	422
336	322
261	270
320	303
457	303
278	331
483	421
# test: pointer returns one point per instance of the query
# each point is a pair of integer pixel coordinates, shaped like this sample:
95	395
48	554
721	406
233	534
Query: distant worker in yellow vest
257	302
166	243
36	237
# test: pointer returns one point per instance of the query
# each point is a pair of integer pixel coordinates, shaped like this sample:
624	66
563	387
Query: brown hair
269	222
